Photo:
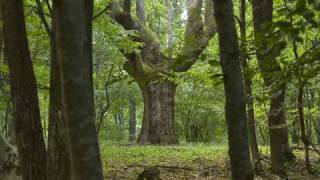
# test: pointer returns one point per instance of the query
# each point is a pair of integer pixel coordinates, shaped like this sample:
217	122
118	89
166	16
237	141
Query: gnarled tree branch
197	35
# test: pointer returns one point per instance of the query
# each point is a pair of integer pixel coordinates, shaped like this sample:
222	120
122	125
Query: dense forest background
159	62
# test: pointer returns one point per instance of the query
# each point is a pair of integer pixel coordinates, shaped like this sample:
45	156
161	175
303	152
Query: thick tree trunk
133	118
29	135
158	117
235	109
74	54
58	157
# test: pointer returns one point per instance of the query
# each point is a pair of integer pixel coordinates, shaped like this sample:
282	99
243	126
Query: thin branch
41	14
49	7
101	12
106	108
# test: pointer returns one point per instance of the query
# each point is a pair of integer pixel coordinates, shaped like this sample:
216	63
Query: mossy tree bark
29	135
151	67
235	109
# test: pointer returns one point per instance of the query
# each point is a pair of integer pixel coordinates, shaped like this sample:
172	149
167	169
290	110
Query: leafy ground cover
189	161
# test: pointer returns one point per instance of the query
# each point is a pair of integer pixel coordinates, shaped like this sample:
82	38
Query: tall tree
235	109
73	28
271	73
253	144
151	66
58	166
29	135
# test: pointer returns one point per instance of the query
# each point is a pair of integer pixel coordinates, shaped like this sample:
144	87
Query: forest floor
189	161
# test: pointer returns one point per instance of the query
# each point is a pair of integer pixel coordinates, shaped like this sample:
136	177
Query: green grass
156	154
186	161
126	161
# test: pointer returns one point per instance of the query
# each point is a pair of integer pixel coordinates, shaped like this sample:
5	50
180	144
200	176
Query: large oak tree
151	67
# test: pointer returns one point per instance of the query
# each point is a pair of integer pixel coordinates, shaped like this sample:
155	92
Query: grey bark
29	135
74	55
235	109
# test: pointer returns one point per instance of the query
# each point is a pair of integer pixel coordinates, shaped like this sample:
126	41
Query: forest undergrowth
191	161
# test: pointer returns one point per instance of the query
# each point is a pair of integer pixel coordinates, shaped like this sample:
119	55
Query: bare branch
101	12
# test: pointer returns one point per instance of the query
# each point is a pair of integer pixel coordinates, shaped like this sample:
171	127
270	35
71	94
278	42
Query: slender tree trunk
74	54
29	135
253	144
304	137
58	157
158	122
317	129
270	70
234	91
121	122
133	118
